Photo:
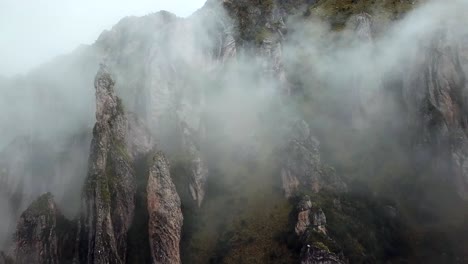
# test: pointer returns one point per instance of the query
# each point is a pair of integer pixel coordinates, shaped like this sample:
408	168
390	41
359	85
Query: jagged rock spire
43	234
109	192
165	215
106	100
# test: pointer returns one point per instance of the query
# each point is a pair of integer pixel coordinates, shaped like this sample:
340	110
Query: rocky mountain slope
270	131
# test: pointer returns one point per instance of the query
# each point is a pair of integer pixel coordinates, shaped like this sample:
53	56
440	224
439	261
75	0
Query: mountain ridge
218	93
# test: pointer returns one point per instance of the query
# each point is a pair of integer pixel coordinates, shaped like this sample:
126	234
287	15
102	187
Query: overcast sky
34	31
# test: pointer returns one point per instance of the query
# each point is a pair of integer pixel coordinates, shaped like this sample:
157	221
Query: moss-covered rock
360	227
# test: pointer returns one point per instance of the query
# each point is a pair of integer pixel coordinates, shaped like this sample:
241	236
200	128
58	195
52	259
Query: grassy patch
122	150
360	227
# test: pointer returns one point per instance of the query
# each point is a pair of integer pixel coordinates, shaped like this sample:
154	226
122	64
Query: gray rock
301	166
109	193
309	217
435	92
197	178
303	217
30	167
36	237
120	139
42	234
165	215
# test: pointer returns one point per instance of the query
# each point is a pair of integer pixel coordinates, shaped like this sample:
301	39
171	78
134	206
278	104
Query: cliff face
168	72
120	141
162	98
435	94
302	168
165	215
109	195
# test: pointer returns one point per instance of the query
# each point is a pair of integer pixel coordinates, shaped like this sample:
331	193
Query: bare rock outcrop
165	215
109	193
309	217
30	167
43	235
121	141
309	220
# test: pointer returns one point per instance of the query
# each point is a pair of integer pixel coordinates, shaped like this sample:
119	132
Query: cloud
33	32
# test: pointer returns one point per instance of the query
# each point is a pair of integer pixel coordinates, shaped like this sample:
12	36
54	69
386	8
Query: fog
175	69
33	32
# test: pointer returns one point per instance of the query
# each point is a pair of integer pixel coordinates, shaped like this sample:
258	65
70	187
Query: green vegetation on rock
122	150
365	228
250	26
337	12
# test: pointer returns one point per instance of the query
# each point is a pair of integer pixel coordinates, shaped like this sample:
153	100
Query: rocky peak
156	59
36	236
165	215
106	100
109	193
40	235
32	166
119	144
